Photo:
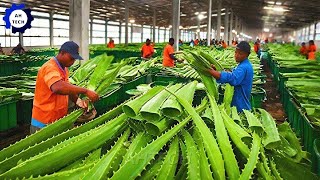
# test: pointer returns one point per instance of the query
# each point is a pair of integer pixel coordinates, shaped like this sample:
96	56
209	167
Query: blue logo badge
18	18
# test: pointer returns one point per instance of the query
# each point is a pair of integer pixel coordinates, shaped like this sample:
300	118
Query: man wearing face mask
53	88
241	77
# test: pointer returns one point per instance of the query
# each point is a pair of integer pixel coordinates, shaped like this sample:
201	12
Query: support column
198	30
20	34
126	13
106	32
219	20
236	26
51	28
120	32
91	25
315	30
154	26
226	25
131	33
158	34
79	11
141	32
176	23
231	28
209	23
165	34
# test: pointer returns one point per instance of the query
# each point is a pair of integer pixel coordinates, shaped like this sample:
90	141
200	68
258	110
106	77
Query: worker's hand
93	96
180	60
83	104
213	67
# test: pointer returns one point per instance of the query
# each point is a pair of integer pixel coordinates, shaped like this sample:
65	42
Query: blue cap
72	48
244	46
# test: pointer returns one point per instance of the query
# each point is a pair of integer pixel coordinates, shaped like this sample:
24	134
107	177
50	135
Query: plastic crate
173	79
109	101
316	162
8	115
24	109
257	98
310	133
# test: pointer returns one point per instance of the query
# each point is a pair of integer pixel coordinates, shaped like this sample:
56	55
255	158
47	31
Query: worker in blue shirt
241	77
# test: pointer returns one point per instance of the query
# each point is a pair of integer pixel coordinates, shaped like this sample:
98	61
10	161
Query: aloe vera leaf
223	141
48	143
271	138
183	168
234	114
193	163
237	139
134	166
45	133
170	162
132	108
55	158
150	111
286	147
156	128
286	131
210	84
92	157
108	78
228	95
102	168
253	121
211	60
139	142
205	171
73	174
96	76
136	125
207	115
210	143
274	169
234	129
253	158
171	106
152	169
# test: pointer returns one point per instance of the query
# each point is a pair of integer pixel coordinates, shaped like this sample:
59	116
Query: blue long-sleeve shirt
241	78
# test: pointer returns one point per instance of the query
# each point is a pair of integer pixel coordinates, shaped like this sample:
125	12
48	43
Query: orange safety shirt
224	45
111	45
303	50
147	51
48	106
312	48
167	60
256	47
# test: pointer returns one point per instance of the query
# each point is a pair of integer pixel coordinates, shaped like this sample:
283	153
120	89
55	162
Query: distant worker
256	48
147	50
304	50
241	77
196	42
168	55
111	44
53	89
312	48
224	44
191	43
18	50
1	50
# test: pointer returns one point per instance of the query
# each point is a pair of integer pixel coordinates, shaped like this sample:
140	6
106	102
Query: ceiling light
198	30
183	15
275	8
201	16
170	26
270	35
132	21
266	29
180	27
270	2
196	13
278	3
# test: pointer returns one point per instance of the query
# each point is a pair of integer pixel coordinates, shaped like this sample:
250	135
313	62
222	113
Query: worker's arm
65	88
234	78
141	53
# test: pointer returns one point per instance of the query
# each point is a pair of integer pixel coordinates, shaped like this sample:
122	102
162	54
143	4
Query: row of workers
308	51
53	90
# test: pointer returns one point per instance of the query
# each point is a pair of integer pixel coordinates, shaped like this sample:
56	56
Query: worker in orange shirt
224	45
168	55
111	44
312	50
256	48
147	50
303	49
196	42
53	88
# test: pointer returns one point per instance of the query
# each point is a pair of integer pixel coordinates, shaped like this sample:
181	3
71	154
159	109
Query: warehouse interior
160	89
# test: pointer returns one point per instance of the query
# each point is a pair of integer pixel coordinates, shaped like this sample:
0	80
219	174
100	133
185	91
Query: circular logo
18	18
